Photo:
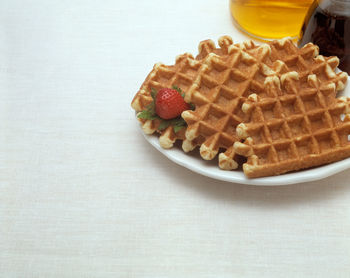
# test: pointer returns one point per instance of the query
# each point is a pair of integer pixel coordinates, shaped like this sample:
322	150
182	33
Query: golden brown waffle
163	76
285	56
182	75
219	80
227	81
218	94
300	124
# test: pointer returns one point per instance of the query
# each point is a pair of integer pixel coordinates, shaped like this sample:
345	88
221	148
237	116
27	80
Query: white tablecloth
82	194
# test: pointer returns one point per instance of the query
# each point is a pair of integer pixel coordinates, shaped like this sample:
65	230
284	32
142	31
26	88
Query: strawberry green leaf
164	124
153	94
178	128
150	113
177	124
151	108
147	115
177	89
182	93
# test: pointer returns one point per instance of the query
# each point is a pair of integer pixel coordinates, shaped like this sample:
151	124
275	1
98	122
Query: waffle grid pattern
182	74
218	94
223	83
292	131
224	86
286	57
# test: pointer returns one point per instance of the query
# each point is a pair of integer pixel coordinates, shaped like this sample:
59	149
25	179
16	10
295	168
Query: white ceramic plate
211	169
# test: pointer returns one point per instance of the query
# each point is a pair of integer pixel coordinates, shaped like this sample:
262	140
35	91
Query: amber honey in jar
327	25
270	19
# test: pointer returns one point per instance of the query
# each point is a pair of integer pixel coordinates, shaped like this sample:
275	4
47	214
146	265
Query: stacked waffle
272	103
183	74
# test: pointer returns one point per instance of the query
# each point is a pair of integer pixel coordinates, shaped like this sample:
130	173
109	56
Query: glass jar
327	25
270	19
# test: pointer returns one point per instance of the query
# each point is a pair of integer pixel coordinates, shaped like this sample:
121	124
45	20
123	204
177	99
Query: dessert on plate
274	104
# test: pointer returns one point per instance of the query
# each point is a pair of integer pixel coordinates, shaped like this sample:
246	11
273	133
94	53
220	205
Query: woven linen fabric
82	194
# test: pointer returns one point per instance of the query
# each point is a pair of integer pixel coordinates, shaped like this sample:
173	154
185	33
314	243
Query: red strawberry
170	104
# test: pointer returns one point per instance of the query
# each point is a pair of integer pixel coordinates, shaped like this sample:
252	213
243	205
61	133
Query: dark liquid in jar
328	26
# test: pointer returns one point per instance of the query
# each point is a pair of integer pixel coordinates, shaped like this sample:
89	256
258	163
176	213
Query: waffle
182	75
286	56
217	96
227	81
300	124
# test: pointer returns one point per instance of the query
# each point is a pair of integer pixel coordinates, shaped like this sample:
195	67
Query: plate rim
179	157
306	175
